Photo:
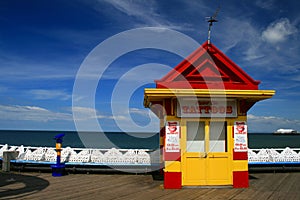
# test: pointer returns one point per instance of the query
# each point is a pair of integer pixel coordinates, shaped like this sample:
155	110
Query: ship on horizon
283	131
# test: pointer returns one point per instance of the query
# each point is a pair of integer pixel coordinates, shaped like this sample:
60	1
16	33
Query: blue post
59	168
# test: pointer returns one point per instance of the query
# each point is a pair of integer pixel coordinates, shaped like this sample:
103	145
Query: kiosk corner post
59	168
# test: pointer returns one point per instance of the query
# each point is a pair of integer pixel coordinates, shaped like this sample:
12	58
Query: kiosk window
195	137
217	137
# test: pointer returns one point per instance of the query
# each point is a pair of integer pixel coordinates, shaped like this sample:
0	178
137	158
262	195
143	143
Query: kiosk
202	105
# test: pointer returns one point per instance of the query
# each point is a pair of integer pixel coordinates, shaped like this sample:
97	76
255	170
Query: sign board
240	136
172	141
206	108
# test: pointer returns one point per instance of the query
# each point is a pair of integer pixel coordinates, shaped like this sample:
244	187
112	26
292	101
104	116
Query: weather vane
210	21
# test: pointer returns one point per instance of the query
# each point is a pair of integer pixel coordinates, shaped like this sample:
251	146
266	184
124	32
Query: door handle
213	156
205	155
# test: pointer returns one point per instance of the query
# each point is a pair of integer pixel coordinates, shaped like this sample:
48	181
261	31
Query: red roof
207	68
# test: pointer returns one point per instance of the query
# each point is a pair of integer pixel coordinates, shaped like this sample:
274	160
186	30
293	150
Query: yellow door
206	160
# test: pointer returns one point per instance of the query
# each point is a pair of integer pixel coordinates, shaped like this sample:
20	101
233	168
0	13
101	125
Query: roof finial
210	21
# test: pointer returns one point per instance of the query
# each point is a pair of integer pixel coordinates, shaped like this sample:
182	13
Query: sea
106	140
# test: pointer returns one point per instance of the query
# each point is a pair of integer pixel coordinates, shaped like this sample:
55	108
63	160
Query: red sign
172	142
240	136
206	108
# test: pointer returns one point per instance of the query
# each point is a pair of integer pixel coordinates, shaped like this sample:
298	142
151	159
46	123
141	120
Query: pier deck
119	186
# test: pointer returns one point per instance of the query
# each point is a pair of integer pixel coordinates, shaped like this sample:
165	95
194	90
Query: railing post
7	157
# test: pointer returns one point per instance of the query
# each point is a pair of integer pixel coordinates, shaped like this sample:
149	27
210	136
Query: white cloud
242	34
261	124
279	31
90	119
24	71
115	117
261	49
83	109
139	111
145	12
31	113
50	94
138	75
85	113
265	4
16	68
137	9
142	112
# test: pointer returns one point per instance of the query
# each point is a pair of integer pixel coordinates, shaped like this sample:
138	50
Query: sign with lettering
206	108
240	136
172	141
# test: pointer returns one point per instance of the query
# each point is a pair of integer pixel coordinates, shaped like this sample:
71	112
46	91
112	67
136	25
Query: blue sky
43	45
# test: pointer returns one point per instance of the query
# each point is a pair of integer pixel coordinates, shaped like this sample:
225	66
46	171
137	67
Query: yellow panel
194	172
240	165
172	166
218	172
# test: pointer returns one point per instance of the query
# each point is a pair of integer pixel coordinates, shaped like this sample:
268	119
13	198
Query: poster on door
172	141
240	136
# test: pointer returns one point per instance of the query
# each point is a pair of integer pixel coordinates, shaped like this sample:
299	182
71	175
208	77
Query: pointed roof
207	68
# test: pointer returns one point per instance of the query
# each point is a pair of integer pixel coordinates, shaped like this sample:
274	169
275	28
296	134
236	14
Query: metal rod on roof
210	21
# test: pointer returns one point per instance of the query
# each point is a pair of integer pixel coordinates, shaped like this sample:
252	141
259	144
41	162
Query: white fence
133	156
111	156
286	155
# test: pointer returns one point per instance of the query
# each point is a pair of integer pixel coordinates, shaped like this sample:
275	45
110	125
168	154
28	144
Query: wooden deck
119	186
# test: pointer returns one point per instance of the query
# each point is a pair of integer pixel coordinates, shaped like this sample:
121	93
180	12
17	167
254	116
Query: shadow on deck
18	185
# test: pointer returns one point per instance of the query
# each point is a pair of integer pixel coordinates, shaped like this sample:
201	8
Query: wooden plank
289	188
122	187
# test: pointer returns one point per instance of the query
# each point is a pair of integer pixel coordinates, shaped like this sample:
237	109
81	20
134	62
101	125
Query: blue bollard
59	168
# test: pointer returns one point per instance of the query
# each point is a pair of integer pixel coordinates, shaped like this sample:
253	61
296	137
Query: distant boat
283	131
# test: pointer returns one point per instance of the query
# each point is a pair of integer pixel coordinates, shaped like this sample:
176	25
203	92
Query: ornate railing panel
134	156
82	155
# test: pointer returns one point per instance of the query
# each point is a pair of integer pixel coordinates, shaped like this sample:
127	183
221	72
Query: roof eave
158	94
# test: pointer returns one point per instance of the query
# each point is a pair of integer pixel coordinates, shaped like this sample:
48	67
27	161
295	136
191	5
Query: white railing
284	155
81	155
134	156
